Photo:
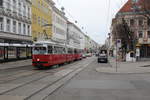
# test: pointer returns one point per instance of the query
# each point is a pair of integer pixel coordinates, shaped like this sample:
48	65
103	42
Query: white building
82	41
15	21
74	36
59	26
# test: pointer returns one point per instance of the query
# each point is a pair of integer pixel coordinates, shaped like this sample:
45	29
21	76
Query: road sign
118	43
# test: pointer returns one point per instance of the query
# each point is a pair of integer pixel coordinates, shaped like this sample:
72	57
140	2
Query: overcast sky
94	15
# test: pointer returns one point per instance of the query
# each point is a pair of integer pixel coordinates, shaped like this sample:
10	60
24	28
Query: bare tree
122	31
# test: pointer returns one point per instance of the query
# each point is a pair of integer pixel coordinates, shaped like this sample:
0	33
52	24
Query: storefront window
29	52
1	53
11	52
22	52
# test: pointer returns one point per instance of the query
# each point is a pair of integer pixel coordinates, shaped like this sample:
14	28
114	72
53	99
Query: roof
135	5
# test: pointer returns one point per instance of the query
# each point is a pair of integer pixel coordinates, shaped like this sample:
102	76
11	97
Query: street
79	80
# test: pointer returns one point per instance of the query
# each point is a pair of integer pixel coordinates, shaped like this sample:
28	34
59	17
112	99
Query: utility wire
108	15
72	17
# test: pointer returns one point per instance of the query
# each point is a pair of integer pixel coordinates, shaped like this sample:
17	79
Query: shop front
145	51
15	50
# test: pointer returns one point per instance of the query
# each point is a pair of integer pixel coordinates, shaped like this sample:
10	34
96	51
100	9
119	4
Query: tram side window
40	50
70	51
59	50
55	50
50	49
64	51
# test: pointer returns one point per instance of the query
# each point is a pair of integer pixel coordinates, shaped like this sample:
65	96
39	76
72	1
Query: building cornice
29	1
56	10
132	13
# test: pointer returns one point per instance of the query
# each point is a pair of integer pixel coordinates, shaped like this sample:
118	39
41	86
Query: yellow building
41	19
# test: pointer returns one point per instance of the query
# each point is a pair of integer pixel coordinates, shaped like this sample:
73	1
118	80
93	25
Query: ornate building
136	15
41	19
15	28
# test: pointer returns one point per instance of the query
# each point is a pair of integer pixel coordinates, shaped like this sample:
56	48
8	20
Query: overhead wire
108	16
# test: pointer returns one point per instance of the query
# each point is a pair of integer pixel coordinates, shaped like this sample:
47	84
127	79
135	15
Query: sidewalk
126	67
15	64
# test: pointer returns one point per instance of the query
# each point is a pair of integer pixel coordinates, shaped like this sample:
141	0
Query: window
24	29
1	24
148	34
8	5
131	22
34	18
8	25
140	34
14	26
39	21
50	49
19	28
1	2
11	52
14	5
135	1
29	12
28	29
1	53
19	7
140	22
24	8
148	22
59	50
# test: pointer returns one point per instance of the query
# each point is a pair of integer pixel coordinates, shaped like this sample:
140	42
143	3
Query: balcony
1	10
7	12
9	35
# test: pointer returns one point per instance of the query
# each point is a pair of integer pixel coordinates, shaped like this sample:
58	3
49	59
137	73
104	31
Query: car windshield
39	50
102	55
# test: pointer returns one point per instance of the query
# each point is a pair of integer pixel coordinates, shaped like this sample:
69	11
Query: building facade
74	36
136	15
41	19
15	26
59	26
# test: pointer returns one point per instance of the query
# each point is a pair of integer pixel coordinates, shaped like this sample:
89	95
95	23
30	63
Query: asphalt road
28	83
75	81
92	85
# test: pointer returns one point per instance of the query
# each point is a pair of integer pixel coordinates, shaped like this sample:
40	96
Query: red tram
47	54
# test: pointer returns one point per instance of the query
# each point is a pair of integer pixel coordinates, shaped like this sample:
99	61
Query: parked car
102	58
83	55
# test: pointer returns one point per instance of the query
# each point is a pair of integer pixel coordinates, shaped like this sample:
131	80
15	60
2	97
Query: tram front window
39	50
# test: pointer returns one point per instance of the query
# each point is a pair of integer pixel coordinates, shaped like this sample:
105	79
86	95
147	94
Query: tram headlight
38	59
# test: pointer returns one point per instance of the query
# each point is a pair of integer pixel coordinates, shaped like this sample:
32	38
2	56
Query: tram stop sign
118	43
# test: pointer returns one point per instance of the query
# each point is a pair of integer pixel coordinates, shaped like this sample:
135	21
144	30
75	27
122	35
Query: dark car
102	58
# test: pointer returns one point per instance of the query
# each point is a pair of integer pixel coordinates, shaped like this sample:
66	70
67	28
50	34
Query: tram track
47	86
47	74
14	71
42	74
54	86
24	70
21	75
